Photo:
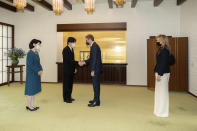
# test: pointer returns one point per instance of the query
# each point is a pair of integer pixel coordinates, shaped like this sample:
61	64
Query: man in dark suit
69	69
95	63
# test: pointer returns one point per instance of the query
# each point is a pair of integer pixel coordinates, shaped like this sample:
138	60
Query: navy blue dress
33	80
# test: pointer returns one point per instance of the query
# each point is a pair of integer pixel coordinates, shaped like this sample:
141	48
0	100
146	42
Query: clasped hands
81	63
40	73
158	78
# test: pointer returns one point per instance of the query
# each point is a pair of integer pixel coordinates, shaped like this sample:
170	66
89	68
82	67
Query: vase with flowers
15	54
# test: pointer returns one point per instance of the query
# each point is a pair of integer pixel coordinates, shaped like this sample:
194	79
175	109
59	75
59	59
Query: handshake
81	63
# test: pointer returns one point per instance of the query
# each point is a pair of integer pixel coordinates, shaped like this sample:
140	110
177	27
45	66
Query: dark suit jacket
69	63
95	58
162	58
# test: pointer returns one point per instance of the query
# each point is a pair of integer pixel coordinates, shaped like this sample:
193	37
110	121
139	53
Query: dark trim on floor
86	83
192	94
50	82
5	83
42	82
137	85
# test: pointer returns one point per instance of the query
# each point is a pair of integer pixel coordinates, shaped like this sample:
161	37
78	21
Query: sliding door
6	43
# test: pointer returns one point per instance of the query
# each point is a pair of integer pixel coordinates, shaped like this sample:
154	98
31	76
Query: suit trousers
96	86
161	106
67	86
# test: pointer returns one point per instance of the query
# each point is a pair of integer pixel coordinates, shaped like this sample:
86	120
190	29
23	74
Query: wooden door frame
91	27
1	23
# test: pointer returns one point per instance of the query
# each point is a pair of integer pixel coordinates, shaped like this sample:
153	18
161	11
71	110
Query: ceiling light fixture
90	6
20	4
119	3
58	6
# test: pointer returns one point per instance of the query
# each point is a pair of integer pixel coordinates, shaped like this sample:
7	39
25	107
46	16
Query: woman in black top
162	75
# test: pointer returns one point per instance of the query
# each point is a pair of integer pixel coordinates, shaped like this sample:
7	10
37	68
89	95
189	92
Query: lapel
68	48
159	52
70	52
92	46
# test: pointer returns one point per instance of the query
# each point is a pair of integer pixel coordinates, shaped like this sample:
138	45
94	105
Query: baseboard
137	85
77	83
87	83
5	83
192	94
42	82
50	82
100	83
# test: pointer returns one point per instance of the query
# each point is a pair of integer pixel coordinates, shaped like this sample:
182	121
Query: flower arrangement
14	54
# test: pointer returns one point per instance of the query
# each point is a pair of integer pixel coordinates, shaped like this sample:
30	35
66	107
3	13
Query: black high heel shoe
34	109
37	108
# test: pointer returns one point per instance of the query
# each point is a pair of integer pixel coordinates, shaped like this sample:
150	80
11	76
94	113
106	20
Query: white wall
142	22
60	42
5	18
189	28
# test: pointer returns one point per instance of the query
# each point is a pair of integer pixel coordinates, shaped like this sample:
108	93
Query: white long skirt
161	106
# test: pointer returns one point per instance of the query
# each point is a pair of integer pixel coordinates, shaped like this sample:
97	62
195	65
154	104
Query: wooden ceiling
8	4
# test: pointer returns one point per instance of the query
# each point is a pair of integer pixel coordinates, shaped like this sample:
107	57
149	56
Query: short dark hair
90	36
34	41
71	40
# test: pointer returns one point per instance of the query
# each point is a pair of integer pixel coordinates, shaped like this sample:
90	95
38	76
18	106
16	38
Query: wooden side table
9	71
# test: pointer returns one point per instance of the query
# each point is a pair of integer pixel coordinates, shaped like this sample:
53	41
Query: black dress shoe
34	109
68	101
72	99
94	104
91	101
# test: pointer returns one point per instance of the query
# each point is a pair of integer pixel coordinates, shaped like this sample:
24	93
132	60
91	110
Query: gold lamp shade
20	4
89	6
58	6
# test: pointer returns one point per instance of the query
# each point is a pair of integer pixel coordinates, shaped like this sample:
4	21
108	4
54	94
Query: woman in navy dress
33	74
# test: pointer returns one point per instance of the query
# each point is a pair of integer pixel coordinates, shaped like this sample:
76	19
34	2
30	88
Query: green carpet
122	109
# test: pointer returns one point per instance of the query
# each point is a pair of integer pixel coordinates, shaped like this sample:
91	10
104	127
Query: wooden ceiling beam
157	2
28	7
67	5
133	3
110	3
8	7
44	4
180	2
